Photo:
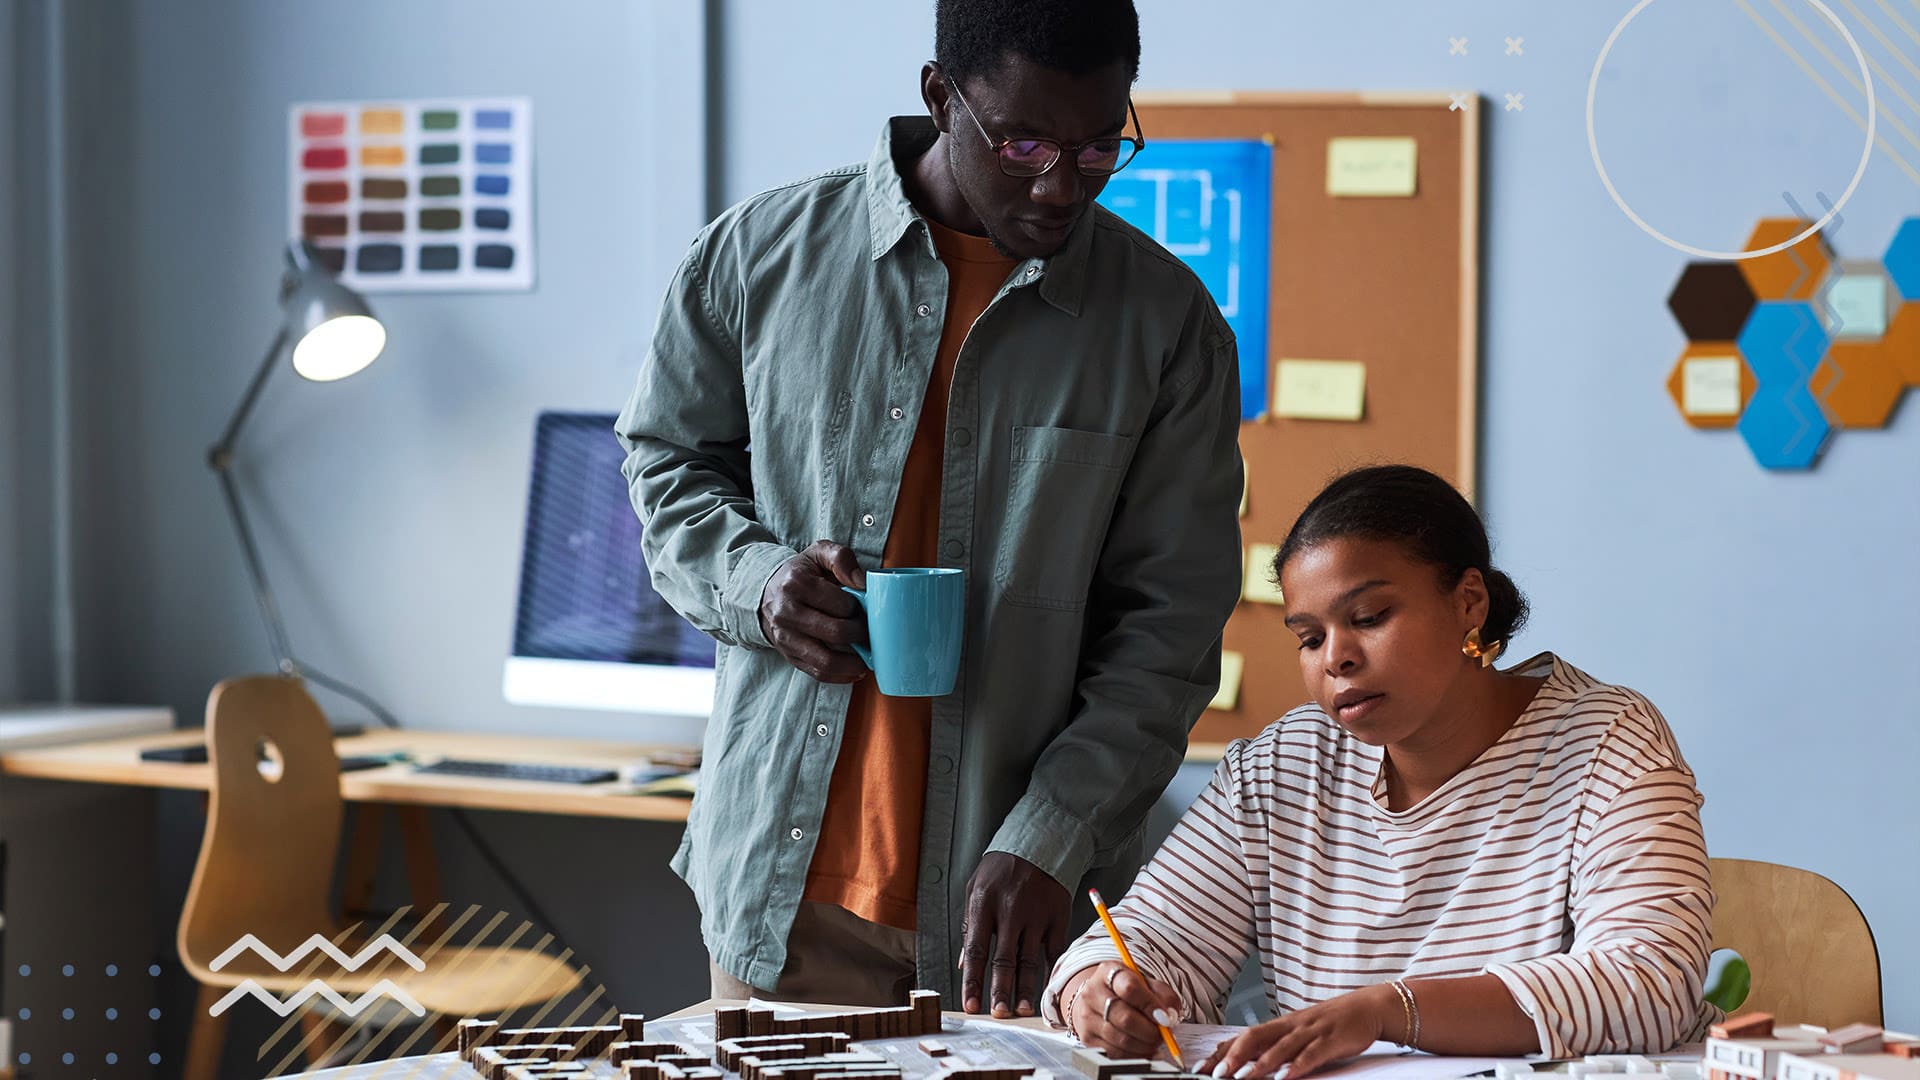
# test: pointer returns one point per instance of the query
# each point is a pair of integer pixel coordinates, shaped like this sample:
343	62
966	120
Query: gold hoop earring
1474	650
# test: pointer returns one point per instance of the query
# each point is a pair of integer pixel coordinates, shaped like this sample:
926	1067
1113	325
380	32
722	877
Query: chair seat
457	982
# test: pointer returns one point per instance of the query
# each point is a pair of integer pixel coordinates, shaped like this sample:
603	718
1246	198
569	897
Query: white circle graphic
1866	152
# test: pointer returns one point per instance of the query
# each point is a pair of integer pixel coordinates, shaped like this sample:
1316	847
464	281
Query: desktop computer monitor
590	631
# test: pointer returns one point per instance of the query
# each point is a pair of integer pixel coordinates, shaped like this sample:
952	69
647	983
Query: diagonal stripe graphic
1845	106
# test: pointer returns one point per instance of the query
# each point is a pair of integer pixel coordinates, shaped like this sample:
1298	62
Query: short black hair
1435	523
972	37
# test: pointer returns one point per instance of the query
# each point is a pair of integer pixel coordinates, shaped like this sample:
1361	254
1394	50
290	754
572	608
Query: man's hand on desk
1016	924
809	620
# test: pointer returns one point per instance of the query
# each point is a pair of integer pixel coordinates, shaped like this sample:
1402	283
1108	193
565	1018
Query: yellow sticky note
1711	386
1321	390
1375	167
1232	667
1259	586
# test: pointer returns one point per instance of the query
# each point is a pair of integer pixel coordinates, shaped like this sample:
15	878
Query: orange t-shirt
868	857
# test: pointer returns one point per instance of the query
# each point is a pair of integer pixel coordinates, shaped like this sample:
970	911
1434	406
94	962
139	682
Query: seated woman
1433	851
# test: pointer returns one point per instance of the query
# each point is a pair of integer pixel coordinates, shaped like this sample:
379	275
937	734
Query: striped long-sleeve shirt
1567	860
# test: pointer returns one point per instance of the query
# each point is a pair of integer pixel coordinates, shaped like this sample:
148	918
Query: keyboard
516	770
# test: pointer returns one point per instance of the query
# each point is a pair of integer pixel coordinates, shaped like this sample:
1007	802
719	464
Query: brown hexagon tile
1857	384
1902	342
1791	274
1711	301
1707	390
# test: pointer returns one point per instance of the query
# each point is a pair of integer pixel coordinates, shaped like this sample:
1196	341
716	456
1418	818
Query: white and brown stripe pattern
1567	860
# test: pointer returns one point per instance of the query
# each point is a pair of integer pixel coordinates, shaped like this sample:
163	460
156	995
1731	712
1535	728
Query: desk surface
117	761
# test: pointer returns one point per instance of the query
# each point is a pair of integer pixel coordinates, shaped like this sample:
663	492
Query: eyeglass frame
1139	141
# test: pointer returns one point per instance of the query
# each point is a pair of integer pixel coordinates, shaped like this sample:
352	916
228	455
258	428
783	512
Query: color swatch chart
416	195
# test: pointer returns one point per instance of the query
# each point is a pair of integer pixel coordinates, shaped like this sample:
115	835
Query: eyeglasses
1033	157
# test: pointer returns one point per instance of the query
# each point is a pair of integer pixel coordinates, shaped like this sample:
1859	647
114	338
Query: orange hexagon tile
1793	273
1902	342
1857	384
1711	384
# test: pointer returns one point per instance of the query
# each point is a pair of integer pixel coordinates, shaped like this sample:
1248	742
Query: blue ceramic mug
915	619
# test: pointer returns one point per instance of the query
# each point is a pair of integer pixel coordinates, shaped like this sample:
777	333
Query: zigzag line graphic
319	943
316	988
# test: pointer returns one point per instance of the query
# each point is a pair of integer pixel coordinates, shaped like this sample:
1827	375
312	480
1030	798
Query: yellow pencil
1126	958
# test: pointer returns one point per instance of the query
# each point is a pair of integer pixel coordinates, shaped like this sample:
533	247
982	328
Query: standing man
946	356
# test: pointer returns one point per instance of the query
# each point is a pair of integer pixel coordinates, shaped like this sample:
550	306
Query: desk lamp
334	335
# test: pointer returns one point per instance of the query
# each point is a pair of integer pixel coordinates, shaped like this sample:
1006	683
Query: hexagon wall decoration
1783	423
1711	301
1711	384
1792	274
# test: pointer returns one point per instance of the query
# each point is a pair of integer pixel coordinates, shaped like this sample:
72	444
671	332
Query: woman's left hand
1300	1042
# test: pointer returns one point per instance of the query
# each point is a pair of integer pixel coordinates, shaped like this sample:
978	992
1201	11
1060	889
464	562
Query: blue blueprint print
1210	202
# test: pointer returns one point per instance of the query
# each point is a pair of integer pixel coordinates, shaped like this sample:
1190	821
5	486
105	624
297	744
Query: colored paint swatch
383	157
415	195
379	258
325	157
327	191
323	125
382	122
323	225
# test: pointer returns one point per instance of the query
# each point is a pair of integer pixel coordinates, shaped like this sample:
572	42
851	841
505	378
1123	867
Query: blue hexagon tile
1903	259
1783	423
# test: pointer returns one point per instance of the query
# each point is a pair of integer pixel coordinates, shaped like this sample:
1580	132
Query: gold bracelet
1411	1010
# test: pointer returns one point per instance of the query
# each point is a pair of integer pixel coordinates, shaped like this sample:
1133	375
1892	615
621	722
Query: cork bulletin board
1379	279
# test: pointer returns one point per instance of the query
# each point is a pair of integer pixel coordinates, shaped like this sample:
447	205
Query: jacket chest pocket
1061	487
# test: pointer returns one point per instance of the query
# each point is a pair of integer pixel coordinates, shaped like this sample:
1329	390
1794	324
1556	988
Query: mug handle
863	652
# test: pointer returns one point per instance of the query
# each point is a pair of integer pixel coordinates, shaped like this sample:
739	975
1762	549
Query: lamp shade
333	331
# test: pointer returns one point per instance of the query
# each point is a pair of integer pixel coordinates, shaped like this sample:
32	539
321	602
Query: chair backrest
1809	947
273	822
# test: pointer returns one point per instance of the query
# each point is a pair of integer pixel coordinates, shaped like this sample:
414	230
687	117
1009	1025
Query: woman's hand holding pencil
1117	1008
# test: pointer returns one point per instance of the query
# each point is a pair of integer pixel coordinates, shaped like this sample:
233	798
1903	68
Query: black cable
487	854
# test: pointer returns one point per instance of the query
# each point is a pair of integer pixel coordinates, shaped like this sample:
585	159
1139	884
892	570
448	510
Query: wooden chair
1810	948
266	868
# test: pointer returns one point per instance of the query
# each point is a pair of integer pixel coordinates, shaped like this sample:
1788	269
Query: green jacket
1090	491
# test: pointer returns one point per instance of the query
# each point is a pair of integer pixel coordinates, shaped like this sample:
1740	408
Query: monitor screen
589	630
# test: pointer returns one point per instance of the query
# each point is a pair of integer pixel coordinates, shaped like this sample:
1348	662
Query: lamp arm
220	456
269	610
220	460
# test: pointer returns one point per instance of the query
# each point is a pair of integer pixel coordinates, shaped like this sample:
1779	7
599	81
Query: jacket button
943	764
867	520
955	549
933	873
923	311
821	731
962	437
896	412
796	834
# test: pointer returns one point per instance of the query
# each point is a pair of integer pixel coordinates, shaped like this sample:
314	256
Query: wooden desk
117	761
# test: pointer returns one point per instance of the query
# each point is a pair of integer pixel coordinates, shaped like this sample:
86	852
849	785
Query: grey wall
1766	614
